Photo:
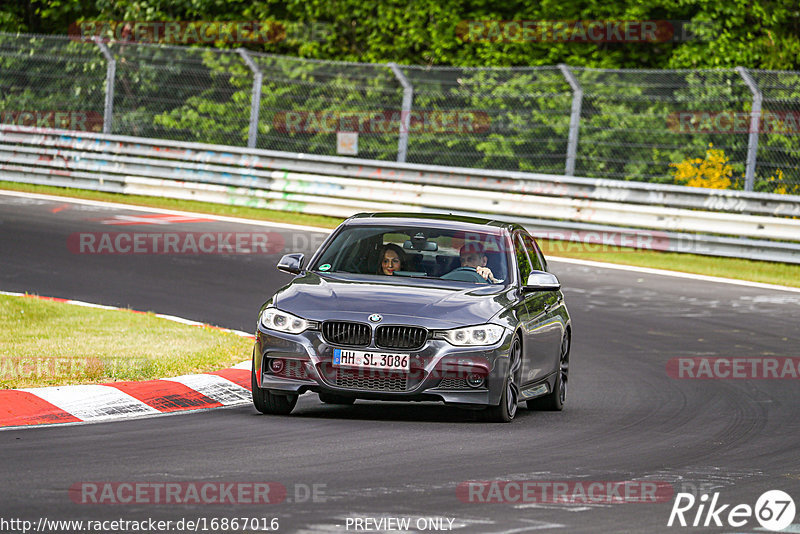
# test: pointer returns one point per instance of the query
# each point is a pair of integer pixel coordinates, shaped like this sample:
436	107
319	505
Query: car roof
440	220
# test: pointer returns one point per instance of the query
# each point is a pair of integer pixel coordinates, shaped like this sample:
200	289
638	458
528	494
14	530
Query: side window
522	260
533	252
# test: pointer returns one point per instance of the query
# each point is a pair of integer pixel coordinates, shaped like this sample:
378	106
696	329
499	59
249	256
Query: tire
507	409
269	403
554	401
330	398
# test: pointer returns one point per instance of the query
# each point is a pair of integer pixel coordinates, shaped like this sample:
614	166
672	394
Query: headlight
275	319
485	334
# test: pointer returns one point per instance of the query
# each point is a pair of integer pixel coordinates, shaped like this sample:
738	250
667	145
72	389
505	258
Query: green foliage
755	34
199	94
50	74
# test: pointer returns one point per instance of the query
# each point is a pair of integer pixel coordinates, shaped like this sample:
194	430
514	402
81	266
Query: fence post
574	119
755	119
405	112
111	73
255	100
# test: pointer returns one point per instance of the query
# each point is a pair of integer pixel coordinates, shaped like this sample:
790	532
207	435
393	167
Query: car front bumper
437	370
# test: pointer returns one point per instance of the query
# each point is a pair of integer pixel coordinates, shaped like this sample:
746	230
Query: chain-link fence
736	128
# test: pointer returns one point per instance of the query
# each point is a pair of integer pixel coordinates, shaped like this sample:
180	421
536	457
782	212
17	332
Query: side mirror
541	281
291	263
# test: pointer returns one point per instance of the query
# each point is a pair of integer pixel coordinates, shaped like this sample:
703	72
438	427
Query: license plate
370	360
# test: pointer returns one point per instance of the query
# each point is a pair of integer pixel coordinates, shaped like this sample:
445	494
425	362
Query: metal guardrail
652	126
596	211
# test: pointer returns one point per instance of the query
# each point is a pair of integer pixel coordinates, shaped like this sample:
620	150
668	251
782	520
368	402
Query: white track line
287	226
132	207
674	274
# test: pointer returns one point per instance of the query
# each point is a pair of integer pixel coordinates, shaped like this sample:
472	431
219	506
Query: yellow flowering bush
776	184
713	171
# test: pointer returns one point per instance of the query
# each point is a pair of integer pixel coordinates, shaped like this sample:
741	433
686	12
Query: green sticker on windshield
325	267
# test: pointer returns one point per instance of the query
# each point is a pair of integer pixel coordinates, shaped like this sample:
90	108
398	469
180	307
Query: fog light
475	380
276	366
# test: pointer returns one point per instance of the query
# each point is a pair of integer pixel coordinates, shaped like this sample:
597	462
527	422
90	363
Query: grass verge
740	269
39	346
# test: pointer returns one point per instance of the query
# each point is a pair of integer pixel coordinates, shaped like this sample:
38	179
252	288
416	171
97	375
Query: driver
392	258
473	266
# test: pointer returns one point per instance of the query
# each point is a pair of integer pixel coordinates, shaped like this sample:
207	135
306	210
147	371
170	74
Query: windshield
474	257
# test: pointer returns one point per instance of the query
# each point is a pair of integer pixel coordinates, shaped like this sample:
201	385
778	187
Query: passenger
392	259
473	266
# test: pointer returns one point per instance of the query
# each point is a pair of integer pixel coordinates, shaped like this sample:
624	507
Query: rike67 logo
774	511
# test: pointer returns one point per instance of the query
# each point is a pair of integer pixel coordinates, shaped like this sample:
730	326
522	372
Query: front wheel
507	409
554	401
269	403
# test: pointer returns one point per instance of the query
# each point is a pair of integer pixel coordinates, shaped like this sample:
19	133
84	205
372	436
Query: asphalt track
625	419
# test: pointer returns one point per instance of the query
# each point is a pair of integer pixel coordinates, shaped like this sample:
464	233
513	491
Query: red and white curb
124	400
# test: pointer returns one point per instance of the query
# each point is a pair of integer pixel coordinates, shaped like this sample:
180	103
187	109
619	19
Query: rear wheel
554	401
507	409
270	403
330	398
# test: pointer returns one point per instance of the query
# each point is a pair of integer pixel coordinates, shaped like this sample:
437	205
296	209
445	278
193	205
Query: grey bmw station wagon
417	307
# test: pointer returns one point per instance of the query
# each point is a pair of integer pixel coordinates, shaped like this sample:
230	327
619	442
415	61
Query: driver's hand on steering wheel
487	274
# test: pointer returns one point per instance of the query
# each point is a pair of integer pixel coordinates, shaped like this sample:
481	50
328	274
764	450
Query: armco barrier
724	223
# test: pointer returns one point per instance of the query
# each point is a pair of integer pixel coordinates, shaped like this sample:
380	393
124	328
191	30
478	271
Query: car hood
429	303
